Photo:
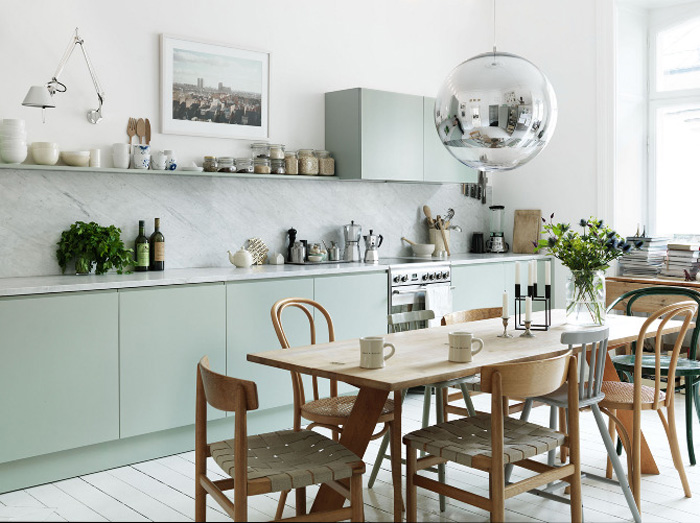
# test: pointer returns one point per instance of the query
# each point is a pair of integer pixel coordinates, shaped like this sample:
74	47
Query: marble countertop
70	283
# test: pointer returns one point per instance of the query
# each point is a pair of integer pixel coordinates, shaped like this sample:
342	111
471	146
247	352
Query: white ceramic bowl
423	249
12	122
315	258
45	155
13	155
44	145
76	158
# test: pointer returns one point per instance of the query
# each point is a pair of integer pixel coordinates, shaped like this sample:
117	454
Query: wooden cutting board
526	229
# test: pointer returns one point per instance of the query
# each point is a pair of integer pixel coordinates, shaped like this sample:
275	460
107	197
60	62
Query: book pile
648	260
683	260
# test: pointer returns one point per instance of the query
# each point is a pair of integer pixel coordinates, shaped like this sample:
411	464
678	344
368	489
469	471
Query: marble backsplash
203	217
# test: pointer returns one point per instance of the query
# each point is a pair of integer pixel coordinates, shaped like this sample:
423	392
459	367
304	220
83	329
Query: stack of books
649	260
682	261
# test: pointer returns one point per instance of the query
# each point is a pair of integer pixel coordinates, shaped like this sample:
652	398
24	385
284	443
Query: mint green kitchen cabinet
59	372
357	303
478	286
249	329
375	135
438	164
163	333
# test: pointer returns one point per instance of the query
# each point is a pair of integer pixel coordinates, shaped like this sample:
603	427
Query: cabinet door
478	286
249	329
163	333
59	373
438	164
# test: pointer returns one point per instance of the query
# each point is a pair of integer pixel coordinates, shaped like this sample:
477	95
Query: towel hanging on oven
438	298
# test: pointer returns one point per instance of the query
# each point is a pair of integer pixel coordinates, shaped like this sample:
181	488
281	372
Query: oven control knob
446	274
397	279
432	277
404	278
425	277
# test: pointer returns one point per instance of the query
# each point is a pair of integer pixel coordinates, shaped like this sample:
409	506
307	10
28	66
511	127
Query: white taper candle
528	309
548	272
517	273
505	305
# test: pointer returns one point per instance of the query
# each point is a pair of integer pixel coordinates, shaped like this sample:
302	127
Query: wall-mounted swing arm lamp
42	95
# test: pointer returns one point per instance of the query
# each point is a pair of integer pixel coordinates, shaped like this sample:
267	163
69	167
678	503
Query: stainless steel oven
408	281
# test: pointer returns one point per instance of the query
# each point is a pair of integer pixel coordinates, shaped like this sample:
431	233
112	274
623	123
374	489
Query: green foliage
100	246
592	250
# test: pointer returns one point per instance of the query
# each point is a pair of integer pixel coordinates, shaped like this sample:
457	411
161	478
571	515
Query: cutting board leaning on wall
526	229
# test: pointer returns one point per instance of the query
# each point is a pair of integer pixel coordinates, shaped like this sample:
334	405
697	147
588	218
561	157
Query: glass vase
82	266
585	298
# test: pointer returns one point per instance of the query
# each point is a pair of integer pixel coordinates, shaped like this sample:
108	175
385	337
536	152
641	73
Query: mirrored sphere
495	112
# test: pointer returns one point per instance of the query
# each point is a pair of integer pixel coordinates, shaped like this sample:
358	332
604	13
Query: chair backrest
651	299
594	347
471	315
409	321
307	306
684	311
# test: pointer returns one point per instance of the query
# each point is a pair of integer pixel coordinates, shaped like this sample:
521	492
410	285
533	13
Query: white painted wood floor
163	489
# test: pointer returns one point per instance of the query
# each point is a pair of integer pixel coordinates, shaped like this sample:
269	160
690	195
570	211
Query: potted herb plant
587	255
90	244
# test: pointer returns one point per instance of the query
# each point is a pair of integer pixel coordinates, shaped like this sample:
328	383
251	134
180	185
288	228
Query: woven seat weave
463	439
337	407
623	392
289	459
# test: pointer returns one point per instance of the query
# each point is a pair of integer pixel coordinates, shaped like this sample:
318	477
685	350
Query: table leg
648	465
356	435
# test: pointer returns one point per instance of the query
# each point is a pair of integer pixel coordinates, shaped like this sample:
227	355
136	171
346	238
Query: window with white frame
674	123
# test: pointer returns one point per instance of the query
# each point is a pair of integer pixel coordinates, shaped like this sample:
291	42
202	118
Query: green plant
91	244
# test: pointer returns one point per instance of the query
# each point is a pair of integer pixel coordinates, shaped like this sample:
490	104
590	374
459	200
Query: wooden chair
471	385
488	442
331	412
637	397
265	463
648	300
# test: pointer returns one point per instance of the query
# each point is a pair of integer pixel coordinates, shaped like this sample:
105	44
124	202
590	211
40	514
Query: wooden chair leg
497	490
356	502
672	435
571	422
200	501
411	490
395	438
280	504
636	474
300	494
611	432
563	451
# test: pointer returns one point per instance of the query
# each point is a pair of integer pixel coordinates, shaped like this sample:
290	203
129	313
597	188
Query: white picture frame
215	90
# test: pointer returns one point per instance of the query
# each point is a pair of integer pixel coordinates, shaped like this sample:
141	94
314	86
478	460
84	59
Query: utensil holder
436	239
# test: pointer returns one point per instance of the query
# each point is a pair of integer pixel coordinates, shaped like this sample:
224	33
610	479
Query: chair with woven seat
264	463
647	300
488	442
330	412
637	397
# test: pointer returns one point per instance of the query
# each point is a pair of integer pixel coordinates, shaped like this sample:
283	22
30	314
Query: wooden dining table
421	359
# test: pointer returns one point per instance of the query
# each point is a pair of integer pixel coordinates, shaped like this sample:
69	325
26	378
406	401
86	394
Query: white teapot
242	258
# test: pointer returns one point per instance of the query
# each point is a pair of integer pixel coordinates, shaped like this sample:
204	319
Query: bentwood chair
648	300
488	442
264	463
331	412
637	397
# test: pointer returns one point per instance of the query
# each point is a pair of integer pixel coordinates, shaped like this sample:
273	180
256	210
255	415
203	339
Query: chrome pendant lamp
495	111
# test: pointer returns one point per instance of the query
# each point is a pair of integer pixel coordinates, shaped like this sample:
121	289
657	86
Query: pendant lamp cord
494	30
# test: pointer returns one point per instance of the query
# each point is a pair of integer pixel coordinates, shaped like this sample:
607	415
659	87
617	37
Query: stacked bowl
13	141
45	153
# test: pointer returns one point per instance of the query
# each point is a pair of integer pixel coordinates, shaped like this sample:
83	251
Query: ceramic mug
461	346
158	160
120	155
372	352
141	156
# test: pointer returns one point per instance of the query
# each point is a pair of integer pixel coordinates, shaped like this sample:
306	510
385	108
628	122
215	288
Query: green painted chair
688	368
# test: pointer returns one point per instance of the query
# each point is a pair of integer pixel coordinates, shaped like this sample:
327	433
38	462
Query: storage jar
261	165
210	164
244	165
226	165
277	166
276	151
291	162
308	163
326	163
260	150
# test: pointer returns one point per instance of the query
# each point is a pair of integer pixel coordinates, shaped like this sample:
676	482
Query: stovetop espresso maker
353	233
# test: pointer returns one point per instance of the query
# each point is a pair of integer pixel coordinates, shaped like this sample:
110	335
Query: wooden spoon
428	215
441	227
408	241
140	129
131	129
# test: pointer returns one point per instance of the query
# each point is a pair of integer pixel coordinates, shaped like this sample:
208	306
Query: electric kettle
372	244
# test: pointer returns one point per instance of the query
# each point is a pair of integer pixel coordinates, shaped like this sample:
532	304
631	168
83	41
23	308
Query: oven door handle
413	291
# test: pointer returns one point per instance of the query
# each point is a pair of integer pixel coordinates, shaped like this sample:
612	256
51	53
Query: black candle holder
520	307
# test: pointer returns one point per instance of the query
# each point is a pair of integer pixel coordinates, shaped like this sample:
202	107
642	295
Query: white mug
120	155
372	352
461	343
141	156
158	160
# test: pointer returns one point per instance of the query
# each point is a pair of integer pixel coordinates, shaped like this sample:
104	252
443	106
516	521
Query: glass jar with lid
260	150
276	151
261	165
226	164
277	166
308	163
326	163
244	165
210	164
291	162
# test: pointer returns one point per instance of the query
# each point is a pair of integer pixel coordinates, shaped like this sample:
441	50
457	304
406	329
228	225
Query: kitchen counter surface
71	283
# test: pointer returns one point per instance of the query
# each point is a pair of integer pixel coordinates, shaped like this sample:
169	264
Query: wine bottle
142	258
157	248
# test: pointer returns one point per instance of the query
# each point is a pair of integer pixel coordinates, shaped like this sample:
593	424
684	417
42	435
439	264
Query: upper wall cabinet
379	135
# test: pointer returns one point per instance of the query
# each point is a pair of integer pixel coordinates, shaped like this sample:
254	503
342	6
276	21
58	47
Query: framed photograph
214	90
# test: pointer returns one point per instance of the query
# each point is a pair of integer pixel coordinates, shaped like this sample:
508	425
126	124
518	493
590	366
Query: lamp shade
38	96
495	112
